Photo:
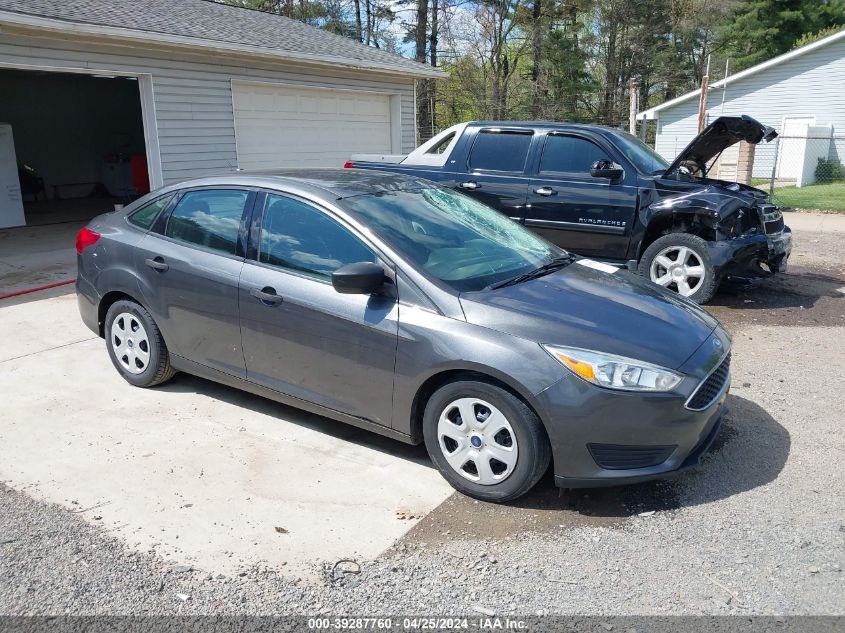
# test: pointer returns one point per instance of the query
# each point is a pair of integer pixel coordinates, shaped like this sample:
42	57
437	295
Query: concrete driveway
203	474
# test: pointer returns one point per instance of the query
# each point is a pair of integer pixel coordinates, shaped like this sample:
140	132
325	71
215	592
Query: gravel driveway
759	528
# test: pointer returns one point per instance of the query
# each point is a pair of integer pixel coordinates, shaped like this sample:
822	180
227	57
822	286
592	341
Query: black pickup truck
602	193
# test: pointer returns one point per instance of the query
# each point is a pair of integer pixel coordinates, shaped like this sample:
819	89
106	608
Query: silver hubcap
130	343
678	267
477	441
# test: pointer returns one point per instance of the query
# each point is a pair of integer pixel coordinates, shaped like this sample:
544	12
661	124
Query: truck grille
710	387
772	218
623	457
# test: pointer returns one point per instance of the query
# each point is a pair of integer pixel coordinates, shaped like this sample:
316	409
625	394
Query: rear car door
571	208
189	266
300	336
494	169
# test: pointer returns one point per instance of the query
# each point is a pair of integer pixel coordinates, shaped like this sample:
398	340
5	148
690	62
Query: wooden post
633	98
702	100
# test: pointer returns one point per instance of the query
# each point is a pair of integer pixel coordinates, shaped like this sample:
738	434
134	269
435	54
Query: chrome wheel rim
679	268
130	343
477	441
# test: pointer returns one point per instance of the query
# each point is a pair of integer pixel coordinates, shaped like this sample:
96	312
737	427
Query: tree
762	29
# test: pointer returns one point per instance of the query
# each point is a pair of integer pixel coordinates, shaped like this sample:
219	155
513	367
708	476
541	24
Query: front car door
568	206
189	265
300	336
495	169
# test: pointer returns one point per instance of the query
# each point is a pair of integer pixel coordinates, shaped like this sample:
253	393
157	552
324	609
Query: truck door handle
545	191
266	295
157	263
471	185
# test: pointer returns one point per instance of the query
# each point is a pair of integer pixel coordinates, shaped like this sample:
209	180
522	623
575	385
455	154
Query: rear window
499	151
146	215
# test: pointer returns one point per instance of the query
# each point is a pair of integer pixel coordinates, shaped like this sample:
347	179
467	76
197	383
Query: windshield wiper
556	264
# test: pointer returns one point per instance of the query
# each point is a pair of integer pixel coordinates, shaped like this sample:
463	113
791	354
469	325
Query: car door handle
545	191
157	263
471	185
266	295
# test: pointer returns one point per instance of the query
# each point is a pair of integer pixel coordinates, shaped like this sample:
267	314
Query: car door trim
576	226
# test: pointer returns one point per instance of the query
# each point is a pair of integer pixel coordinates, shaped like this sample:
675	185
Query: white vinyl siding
809	85
193	92
279	125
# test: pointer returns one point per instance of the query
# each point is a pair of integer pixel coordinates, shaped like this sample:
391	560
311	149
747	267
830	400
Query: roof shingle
222	24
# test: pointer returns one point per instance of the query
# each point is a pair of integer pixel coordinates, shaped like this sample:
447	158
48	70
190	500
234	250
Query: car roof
553	125
334	183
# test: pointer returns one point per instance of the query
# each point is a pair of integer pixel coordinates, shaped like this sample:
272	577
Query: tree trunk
424	130
358	30
536	54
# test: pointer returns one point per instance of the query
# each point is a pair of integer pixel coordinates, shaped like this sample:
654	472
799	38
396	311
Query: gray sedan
389	303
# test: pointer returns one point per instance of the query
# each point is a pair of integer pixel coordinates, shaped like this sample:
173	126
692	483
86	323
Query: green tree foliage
762	29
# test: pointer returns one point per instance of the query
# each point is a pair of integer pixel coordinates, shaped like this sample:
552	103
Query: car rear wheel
681	262
485	441
135	345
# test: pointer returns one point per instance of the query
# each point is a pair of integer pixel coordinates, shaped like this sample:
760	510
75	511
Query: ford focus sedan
389	303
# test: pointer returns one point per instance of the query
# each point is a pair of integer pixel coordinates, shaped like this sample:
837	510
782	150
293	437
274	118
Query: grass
830	197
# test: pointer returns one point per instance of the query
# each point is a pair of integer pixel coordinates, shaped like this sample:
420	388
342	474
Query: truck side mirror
605	168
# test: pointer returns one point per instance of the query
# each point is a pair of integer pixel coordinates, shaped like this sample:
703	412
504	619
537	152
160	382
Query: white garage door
292	126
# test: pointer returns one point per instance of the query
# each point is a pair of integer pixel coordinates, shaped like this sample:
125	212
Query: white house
100	95
800	93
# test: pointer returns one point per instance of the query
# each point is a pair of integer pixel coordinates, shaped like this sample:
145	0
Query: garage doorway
78	141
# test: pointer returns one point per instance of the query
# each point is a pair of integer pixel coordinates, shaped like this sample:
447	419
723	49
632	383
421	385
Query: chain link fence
801	171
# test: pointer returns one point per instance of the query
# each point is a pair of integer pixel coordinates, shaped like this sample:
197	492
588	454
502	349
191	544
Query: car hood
718	136
579	306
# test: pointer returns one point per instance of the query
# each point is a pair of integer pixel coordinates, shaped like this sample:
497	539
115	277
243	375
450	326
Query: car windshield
645	159
455	239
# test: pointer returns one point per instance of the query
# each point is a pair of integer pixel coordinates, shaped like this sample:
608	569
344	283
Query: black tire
706	287
157	369
532	443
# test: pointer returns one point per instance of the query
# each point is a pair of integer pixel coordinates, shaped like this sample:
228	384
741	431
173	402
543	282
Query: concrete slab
37	255
205	474
821	222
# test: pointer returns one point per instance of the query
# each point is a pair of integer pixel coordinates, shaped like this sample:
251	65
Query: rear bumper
88	302
751	256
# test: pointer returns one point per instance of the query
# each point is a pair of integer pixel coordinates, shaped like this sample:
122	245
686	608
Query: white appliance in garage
279	125
11	202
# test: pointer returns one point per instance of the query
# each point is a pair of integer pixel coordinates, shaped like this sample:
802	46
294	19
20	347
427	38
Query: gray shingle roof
244	30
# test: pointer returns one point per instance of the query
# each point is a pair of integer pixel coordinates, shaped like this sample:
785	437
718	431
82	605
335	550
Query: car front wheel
485	441
135	345
681	262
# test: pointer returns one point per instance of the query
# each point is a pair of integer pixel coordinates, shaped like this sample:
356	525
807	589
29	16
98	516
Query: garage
74	143
279	125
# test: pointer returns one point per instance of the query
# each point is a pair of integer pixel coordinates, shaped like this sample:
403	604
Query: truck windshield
645	159
454	238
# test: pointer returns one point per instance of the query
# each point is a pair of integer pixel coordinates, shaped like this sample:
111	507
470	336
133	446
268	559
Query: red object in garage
140	175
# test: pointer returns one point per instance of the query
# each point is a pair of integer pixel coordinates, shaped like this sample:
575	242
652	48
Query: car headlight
615	372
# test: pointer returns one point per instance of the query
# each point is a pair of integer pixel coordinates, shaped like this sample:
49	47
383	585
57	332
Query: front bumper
751	256
601	437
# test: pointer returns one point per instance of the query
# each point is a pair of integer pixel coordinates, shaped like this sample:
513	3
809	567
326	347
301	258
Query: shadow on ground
749	452
185	383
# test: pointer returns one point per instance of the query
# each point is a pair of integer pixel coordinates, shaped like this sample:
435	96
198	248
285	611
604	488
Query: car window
440	147
146	215
499	151
297	236
569	155
452	237
209	218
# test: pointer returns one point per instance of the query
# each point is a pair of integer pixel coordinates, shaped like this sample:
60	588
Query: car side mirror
360	278
607	169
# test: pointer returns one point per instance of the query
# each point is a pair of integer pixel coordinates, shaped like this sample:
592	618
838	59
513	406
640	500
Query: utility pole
633	104
702	100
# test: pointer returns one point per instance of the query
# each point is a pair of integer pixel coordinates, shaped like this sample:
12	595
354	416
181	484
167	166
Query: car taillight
85	238
348	164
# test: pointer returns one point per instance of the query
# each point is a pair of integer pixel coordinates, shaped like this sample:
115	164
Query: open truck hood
718	136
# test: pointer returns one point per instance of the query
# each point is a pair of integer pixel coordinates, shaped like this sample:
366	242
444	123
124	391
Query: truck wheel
485	441
681	262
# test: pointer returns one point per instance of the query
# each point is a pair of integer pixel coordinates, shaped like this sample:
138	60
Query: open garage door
280	126
72	145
